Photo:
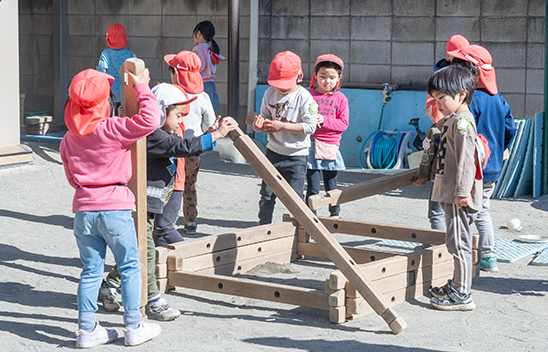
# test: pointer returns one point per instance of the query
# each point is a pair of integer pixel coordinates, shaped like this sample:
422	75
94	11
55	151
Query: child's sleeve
430	150
341	120
509	124
164	145
103	63
265	111
308	111
465	147
208	114
201	52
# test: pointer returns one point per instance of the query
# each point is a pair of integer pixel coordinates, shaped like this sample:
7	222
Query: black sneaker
453	301
441	291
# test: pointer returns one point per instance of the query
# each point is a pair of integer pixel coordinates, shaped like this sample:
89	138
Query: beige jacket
456	169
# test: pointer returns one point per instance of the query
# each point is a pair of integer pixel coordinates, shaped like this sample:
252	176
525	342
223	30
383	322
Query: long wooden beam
364	189
316	229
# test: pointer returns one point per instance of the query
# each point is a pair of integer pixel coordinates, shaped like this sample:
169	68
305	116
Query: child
455	183
495	121
324	155
209	56
162	146
97	159
184	69
113	57
427	167
288	115
454	43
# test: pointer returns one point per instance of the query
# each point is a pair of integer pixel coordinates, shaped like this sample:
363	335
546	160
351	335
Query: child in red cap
324	156
112	58
184	68
496	123
456	42
209	56
97	159
429	160
288	115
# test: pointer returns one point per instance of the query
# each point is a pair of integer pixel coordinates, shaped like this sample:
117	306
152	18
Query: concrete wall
9	67
380	41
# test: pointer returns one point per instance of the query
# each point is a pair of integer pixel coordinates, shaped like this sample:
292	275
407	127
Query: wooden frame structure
366	280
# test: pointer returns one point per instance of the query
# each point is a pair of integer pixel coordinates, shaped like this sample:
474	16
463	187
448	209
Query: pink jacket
98	165
334	109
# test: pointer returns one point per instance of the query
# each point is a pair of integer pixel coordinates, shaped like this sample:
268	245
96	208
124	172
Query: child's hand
144	77
461	202
320	120
215	125
420	181
121	111
226	126
270	126
258	123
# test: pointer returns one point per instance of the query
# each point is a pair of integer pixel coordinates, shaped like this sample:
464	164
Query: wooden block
337	315
476	271
475	256
337	298
360	256
161	270
161	255
304	297
350	291
162	285
475	241
354	305
302	236
337	281
174	263
240	267
328	289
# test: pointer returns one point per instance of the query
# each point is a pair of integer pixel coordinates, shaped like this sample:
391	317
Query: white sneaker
144	332
159	309
98	336
107	296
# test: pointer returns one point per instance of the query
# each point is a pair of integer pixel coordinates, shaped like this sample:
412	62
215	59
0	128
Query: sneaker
159	309
453	301
489	264
190	228
98	336
439	292
107	296
144	332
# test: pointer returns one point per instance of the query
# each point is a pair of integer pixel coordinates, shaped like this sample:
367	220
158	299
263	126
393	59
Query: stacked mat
521	172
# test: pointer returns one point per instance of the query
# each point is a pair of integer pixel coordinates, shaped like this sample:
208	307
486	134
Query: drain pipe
253	57
544	177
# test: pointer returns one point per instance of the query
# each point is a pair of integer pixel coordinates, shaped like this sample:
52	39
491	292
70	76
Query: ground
39	270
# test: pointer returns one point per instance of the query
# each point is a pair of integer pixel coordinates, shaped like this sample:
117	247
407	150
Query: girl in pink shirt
324	155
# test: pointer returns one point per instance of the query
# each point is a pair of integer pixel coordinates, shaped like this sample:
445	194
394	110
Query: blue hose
383	151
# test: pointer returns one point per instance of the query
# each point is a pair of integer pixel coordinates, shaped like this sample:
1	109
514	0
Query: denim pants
94	231
436	214
329	183
165	233
293	170
484	224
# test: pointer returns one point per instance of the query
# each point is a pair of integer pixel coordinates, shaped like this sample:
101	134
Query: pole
234	59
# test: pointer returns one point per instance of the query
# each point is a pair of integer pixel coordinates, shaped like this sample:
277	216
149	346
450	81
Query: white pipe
253	56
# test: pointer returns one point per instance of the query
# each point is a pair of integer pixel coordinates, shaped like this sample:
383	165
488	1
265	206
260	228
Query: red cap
285	69
480	57
187	65
436	114
327	58
116	36
456	42
88	104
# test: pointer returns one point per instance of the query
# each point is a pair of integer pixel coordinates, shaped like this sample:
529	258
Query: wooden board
268	291
360	256
316	229
364	189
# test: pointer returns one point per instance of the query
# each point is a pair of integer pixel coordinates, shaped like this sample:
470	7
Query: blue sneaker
453	301
489	264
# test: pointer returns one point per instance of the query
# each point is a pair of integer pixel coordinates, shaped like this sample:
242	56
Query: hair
452	80
475	70
328	64
169	108
208	32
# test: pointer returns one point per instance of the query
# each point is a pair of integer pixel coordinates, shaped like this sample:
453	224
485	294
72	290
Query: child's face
327	79
287	91
447	104
198	38
174	118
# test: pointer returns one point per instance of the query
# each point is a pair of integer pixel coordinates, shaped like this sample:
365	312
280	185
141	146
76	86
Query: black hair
172	69
208	32
169	108
328	64
475	70
452	80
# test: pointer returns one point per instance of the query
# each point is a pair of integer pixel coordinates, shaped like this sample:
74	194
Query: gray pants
435	212
484	224
458	240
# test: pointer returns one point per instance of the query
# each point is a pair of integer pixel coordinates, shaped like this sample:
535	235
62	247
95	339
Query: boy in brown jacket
456	184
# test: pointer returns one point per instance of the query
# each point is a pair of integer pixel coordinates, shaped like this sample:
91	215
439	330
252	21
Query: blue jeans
94	231
211	90
293	170
329	183
436	214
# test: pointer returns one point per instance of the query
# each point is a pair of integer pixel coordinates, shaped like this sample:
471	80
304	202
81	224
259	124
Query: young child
324	156
209	56
288	115
184	68
112	58
162	146
427	167
456	42
496	123
97	159
455	183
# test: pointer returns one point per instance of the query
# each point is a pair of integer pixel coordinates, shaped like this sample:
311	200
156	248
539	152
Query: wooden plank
364	189
360	256
316	229
267	291
162	284
138	181
161	271
237	254
200	246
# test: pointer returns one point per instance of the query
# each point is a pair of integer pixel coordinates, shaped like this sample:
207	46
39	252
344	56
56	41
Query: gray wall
380	41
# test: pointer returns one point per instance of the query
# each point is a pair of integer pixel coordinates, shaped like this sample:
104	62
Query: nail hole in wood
218	259
412	263
220	285
269	232
373	230
239	238
335	226
383	270
414	235
277	294
259	249
351	262
393	299
208	245
372	258
239	268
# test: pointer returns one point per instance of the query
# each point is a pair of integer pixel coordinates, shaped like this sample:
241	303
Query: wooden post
138	182
316	229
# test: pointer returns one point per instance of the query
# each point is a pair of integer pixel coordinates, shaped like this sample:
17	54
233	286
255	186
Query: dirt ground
39	270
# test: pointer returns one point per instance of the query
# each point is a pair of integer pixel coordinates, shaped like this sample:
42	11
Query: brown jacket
456	169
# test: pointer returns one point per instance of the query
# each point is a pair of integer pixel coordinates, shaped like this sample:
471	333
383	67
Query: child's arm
461	202
208	114
465	148
103	63
270	126
340	122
